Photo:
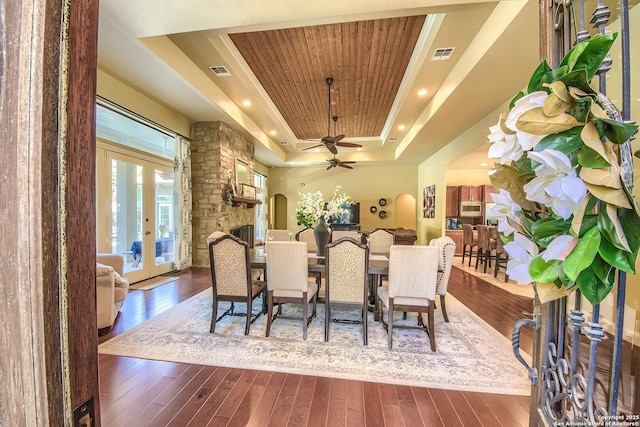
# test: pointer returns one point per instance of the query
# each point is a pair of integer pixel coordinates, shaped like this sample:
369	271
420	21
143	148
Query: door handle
146	233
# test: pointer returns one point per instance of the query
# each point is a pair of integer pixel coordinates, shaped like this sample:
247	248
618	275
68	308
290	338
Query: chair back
287	265
215	235
484	238
380	240
339	234
309	238
413	271
446	251
346	271
499	243
278	235
229	261
467	235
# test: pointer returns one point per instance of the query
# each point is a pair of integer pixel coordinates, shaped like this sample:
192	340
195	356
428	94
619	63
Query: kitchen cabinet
470	193
487	190
458	237
452	202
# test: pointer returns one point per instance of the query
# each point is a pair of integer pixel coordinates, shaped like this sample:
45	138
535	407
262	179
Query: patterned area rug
470	354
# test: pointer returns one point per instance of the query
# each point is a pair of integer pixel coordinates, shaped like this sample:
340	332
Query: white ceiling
164	48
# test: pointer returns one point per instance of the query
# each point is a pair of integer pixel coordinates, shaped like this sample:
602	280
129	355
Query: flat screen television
352	216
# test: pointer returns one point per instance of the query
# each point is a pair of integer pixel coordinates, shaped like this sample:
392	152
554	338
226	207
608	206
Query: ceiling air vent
442	54
220	70
284	143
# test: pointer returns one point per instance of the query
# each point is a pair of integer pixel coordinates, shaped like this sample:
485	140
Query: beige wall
468	177
120	93
364	184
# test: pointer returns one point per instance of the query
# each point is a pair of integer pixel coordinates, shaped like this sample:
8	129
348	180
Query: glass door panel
164	210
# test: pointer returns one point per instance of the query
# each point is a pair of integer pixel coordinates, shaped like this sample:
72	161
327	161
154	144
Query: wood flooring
137	392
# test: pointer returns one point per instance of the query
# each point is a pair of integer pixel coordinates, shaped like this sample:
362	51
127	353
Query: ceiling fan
332	141
337	162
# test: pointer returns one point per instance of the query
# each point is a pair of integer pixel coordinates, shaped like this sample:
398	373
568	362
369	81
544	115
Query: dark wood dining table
378	267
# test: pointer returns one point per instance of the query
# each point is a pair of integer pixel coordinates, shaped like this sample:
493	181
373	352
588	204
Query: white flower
560	248
556	183
313	205
533	100
521	251
504	147
505	208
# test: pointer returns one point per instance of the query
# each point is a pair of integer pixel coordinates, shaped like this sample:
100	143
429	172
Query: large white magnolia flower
521	251
511	146
505	207
556	183
560	248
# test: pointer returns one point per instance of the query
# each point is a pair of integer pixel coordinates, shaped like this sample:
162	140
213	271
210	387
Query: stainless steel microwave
468	209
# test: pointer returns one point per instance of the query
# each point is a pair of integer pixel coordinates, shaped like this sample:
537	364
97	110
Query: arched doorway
278	212
405	211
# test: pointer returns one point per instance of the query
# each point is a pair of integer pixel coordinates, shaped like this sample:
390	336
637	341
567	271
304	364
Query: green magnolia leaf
578	79
515	99
550	227
581	109
582	255
508	178
589	221
525	166
566	142
578	215
611	228
617	132
535	82
544	272
589	54
591	159
593	289
617	258
605	272
536	122
553	75
630	222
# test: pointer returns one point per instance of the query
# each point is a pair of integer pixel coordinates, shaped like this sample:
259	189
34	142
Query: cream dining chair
339	234
446	251
380	240
275	235
288	281
347	281
309	238
413	274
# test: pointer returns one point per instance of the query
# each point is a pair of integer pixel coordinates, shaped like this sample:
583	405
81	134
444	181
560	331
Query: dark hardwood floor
136	392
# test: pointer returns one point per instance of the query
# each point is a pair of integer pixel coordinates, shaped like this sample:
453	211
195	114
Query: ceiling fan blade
332	148
330	166
344	166
348	162
337	138
348	144
315	146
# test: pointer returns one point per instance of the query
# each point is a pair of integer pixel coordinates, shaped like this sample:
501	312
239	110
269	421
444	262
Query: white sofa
111	288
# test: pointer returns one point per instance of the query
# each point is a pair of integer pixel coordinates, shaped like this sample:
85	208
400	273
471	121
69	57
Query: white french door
136	210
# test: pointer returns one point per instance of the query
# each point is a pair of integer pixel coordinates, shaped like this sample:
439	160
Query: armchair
111	288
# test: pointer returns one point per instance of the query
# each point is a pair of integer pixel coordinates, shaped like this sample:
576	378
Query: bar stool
500	261
469	240
485	246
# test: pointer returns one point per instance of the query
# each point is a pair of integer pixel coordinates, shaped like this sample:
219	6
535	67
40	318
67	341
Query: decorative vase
321	233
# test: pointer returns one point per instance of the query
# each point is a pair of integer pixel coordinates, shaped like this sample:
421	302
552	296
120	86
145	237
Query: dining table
378	267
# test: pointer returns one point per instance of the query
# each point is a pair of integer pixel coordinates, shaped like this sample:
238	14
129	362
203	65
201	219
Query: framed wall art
429	202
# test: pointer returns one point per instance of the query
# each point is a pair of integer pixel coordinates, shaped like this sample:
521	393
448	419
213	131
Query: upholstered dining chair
413	274
380	240
256	273
278	235
309	238
469	241
288	281
231	278
339	234
446	251
485	246
347	281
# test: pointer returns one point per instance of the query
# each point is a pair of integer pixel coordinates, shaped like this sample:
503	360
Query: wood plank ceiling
366	59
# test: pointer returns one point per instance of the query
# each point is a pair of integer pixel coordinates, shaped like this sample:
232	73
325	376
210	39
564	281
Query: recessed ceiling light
422	92
359	149
273	132
246	103
401	127
483	164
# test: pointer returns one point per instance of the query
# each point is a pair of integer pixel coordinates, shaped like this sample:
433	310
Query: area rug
510	286
154	282
470	354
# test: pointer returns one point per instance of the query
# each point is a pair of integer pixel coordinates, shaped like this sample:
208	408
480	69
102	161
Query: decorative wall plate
382	202
373	209
382	214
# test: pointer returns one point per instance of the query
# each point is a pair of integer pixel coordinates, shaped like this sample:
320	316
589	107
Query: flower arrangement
163	230
566	212
312	206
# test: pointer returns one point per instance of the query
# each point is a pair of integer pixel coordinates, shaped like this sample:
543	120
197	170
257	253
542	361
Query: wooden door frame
47	119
